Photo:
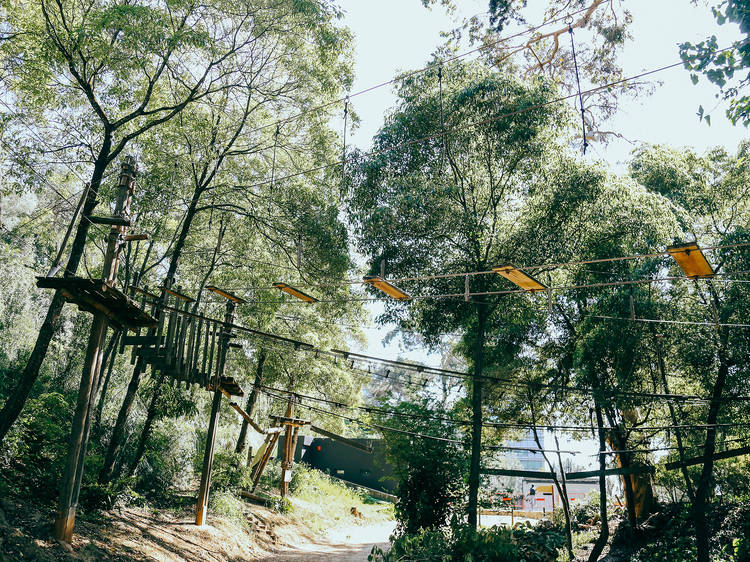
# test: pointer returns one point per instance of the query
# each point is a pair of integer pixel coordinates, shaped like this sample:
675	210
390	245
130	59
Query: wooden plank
610	472
341	439
731	453
521	473
114	221
147	341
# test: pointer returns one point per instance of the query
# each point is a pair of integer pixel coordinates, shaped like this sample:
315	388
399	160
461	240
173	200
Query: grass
322	503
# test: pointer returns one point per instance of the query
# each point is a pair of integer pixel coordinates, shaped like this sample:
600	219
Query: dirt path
353	543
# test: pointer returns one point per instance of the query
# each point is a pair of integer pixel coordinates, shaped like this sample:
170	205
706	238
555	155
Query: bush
496	544
430	474
106	496
167	462
230	472
225	504
37	445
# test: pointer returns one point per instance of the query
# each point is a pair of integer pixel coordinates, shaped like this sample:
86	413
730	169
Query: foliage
36	450
460	542
167	462
729	69
230	471
322	502
224	503
430	474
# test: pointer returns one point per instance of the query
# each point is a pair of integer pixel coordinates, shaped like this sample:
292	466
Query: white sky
397	35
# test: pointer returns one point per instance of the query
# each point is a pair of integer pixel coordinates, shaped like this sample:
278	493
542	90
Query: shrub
230	471
225	504
38	445
166	463
496	544
106	496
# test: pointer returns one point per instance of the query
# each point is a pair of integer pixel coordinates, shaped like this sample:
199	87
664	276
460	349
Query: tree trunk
476	421
16	401
705	479
603	537
118	431
563	490
110	356
146	431
673	416
253	398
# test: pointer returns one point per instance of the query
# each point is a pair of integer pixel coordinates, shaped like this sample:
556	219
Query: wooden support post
208	460
286	461
75	459
260	467
208	456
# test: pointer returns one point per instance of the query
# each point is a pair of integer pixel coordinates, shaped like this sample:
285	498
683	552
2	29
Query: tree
430	472
600	29
457	203
709	195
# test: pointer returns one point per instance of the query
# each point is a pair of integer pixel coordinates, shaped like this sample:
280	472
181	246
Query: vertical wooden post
208	460
75	459
208	456
286	461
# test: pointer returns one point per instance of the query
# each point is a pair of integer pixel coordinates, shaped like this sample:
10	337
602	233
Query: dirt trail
347	544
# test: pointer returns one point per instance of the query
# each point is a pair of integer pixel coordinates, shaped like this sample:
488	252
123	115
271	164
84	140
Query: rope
578	83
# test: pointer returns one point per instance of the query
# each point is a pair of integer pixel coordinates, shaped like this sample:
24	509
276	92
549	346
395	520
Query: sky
392	36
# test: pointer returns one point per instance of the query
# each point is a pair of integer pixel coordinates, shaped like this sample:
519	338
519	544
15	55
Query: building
345	462
528	459
546	497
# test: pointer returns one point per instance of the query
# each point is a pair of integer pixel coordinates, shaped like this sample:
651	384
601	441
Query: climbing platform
94	295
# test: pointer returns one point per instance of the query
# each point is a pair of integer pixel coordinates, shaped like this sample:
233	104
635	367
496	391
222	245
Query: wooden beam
245	415
610	472
699	460
208	461
113	221
344	440
521	473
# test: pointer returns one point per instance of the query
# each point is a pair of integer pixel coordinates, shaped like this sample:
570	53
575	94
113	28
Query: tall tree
455	203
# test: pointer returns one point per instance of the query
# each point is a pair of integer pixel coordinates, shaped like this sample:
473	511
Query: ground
137	533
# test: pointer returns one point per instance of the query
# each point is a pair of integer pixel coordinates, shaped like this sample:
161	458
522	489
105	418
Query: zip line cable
415	72
413	433
519	111
528	268
506	425
336	353
495	448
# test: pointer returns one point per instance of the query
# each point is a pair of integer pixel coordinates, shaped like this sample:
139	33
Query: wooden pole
208	460
75	459
286	462
208	456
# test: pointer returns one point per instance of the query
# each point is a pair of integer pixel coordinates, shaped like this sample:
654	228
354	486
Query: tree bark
603	537
705	479
146	431
673	416
16	401
118	431
109	356
476	421
252	399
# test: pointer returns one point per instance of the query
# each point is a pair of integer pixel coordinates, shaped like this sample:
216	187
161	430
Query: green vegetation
232	109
